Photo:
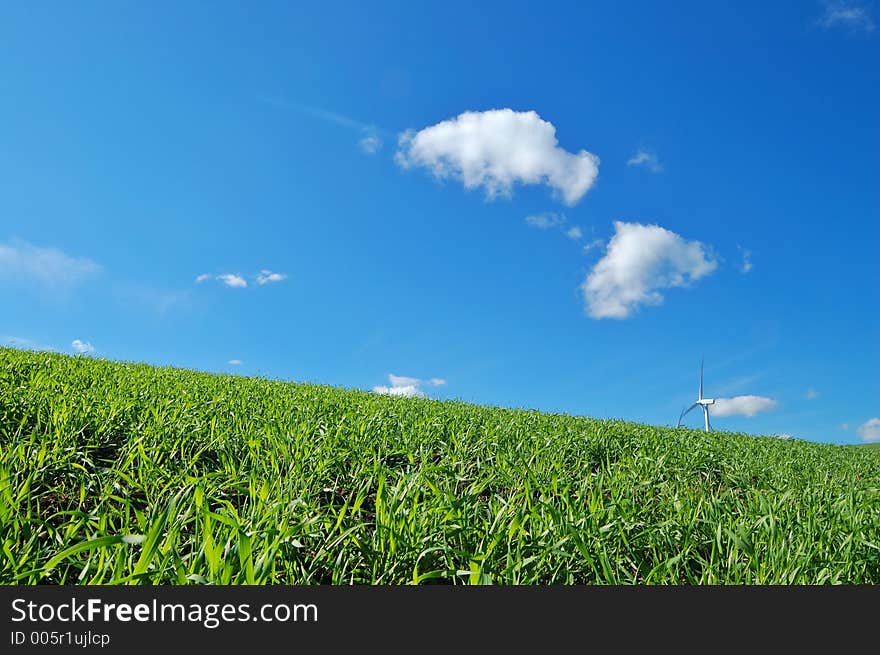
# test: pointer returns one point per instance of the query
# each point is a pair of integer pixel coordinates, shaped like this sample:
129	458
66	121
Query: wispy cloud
640	261
811	394
736	384
370	141
742	406
82	347
497	149
204	277
646	159
333	117
25	344
157	300
49	267
407	387
546	221
844	426
234	362
370	144
852	16
593	245
746	265
266	276
552	220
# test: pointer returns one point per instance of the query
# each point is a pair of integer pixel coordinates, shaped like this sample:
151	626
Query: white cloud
232	280
496	149
844	426
869	430
234	362
546	220
20	261
574	233
812	394
402	381
370	144
406	391
742	406
267	276
783	435
407	387
82	346
640	261
237	281
647	159
853	16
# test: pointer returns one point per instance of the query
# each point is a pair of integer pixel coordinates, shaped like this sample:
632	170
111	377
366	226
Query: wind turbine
701	402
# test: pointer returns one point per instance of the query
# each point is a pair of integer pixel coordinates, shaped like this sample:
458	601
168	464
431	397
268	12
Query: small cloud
546	221
402	381
812	394
234	362
407	387
552	220
370	144
844	426
742	406
746	265
639	262
497	149
784	436
82	346
869	430
237	281
49	267
852	16
592	245
266	276
232	280
647	159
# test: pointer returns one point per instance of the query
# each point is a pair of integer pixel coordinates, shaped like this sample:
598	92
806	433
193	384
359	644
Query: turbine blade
700	397
685	413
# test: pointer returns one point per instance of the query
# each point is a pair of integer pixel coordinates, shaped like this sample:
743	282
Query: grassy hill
116	472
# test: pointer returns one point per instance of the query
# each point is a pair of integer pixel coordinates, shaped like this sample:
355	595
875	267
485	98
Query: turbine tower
701	402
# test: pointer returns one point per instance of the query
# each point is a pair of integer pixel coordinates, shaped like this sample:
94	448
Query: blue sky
551	206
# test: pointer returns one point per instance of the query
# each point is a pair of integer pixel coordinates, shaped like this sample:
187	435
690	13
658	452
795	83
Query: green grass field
124	473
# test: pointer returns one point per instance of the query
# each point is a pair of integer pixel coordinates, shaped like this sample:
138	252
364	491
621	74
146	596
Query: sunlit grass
115	473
